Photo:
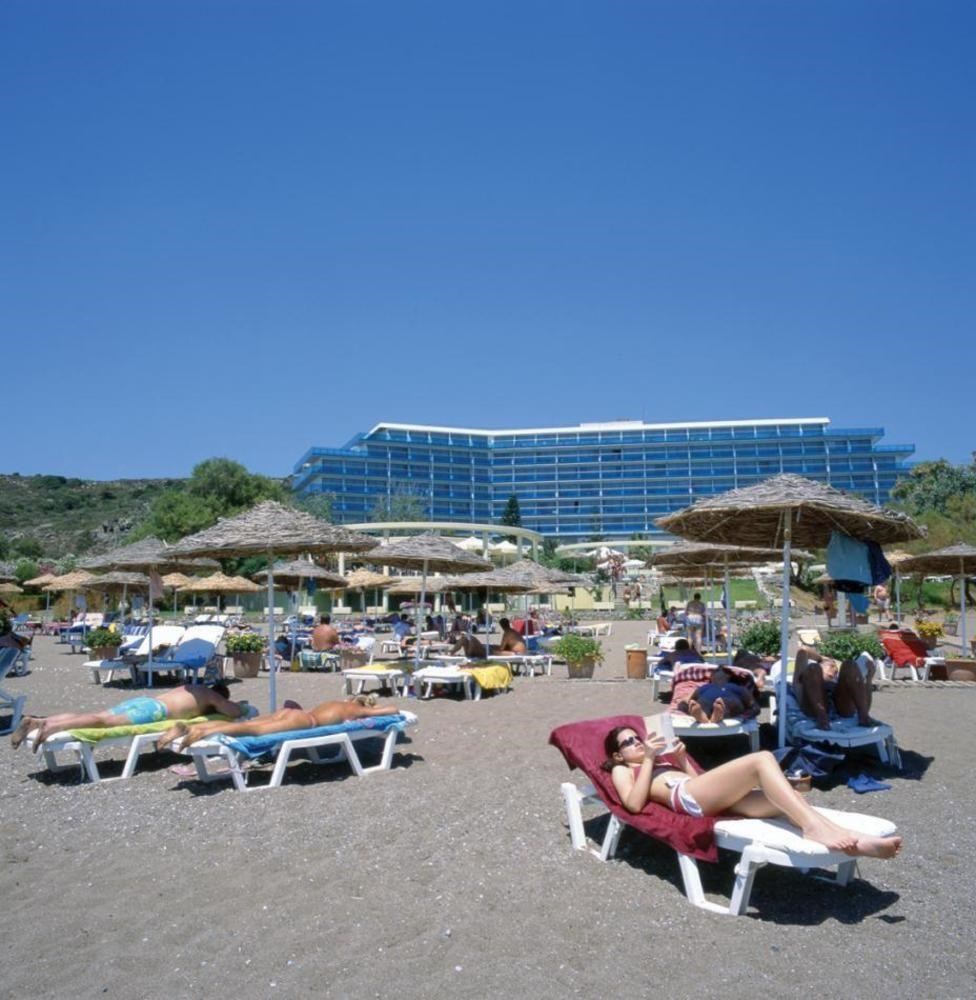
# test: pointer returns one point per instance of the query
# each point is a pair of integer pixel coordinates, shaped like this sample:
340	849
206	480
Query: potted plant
762	638
928	631
580	653
246	649
104	643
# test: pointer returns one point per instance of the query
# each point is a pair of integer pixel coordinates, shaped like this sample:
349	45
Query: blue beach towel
254	747
865	783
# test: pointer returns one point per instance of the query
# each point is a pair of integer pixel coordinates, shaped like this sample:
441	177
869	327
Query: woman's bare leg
731	788
277	722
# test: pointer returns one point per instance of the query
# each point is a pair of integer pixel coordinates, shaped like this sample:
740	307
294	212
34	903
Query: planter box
960	670
637	664
583	669
105	653
247	664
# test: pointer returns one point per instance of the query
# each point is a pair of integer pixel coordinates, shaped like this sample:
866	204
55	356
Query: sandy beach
452	874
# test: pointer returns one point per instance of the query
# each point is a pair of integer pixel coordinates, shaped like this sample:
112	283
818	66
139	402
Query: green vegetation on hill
53	515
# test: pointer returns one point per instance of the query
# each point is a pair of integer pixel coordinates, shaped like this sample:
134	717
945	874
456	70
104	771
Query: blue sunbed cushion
253	747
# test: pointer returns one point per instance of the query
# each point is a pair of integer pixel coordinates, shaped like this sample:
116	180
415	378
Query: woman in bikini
643	772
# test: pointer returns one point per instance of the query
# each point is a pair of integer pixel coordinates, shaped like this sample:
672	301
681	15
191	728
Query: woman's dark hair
221	688
681	645
610	747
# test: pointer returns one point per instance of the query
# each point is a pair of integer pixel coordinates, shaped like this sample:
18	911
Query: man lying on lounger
184	702
291	717
826	689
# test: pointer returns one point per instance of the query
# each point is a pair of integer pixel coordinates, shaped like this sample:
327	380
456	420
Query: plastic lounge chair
903	650
690	676
82	744
133	653
801	728
189	657
387	678
13	703
237	752
526	663
759	841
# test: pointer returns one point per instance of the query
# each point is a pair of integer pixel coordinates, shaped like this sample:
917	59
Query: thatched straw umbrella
152	556
428	553
42	581
173	581
271	529
783	511
8	587
956	560
363	579
708	555
292	574
119	582
895	559
219	583
68	583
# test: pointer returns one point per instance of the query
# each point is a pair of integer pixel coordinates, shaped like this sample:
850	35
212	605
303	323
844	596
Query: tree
403	504
318	504
28	547
931	485
174	515
229	488
26	569
512	515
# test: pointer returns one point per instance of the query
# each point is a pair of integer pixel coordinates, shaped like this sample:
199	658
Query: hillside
73	515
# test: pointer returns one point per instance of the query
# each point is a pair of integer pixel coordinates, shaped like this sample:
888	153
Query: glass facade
595	480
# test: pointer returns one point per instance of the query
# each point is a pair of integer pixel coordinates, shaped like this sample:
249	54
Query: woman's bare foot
878	847
718	710
834	838
178	732
697	712
27	723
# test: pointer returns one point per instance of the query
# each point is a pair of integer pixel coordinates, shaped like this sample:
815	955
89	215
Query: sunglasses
631	741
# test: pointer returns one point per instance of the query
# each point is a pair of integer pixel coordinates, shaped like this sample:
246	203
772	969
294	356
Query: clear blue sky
243	228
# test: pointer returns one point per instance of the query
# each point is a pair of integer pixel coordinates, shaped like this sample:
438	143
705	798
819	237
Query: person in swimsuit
643	772
291	717
695	620
721	698
473	648
184	702
826	689
511	641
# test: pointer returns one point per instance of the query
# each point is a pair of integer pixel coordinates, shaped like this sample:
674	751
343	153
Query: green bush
762	638
576	648
849	645
99	638
245	642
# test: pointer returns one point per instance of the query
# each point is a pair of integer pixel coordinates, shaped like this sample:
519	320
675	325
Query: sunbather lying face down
183	702
291	717
642	772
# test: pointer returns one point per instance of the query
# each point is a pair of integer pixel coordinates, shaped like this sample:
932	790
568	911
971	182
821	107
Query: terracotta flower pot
960	670
105	653
247	664
582	668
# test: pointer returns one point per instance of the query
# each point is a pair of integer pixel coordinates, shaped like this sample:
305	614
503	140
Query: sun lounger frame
728	836
84	753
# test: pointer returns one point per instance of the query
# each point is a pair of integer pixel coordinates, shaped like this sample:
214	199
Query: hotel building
605	480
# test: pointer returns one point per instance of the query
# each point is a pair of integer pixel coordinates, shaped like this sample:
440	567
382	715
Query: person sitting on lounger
184	702
472	647
324	635
511	642
754	663
721	698
642	772
826	689
291	717
682	653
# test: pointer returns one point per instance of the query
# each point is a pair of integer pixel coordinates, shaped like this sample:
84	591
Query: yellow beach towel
95	735
493	677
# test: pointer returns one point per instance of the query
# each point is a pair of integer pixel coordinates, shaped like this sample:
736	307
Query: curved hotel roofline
592	481
610	425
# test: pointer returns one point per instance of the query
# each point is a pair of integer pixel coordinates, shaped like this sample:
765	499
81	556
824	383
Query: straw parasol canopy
220	583
714	554
496	581
290	573
417	585
176	580
7	587
117	581
40	581
532	575
427	552
75	580
363	579
146	554
956	560
759	515
270	527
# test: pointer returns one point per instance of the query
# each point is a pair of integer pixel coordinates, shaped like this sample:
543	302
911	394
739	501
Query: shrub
576	648
849	645
100	638
928	629
246	642
762	638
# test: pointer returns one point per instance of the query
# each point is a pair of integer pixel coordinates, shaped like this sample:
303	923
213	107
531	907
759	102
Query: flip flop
865	783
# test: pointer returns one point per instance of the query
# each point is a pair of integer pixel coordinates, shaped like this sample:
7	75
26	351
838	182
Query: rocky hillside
73	515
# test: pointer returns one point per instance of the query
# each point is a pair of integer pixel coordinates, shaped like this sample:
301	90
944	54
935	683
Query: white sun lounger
760	842
339	740
162	636
13	703
83	752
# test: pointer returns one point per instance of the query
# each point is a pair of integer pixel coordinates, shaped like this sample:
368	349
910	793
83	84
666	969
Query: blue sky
241	228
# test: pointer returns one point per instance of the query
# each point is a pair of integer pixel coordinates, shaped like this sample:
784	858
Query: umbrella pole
122	609
420	611
898	597
784	635
962	608
272	659
728	614
149	660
